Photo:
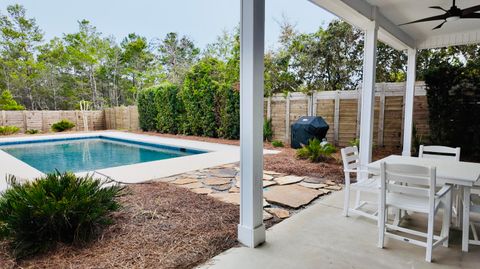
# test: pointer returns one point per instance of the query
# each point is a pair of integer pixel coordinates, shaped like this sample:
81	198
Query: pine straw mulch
159	226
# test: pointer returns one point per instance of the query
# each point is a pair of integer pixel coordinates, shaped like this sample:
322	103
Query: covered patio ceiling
391	13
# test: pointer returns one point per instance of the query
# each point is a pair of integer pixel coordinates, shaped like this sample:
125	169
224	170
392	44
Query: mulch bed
159	226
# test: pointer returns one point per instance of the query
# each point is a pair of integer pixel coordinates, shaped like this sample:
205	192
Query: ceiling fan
452	14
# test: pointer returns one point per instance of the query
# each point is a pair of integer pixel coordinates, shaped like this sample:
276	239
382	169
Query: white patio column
251	231
368	93
409	98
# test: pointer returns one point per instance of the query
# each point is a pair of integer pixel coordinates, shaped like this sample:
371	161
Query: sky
201	20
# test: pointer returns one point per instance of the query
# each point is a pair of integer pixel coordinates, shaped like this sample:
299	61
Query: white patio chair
351	164
413	188
474	209
446	153
439	152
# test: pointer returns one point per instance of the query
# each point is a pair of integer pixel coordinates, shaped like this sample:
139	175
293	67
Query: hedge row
206	105
453	94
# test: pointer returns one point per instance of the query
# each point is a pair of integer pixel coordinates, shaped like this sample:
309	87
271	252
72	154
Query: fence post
25	123
381	115
314	104
4	118
269	108
336	118
287	118
359	109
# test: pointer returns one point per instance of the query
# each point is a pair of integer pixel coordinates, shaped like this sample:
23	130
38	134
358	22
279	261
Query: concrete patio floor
320	237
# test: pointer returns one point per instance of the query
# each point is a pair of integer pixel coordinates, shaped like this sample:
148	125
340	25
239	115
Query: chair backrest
439	152
350	158
408	179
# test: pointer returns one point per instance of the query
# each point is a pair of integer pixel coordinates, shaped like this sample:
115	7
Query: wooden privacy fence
43	120
341	110
122	118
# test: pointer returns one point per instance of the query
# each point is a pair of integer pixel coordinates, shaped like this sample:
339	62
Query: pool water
88	154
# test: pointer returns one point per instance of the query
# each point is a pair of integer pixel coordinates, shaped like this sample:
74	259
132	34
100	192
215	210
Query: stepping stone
216	181
314	180
222	187
267	216
288	180
237	184
331	183
267	177
202	191
265	203
231	198
194	185
278	212
184	181
223	173
293	196
313	185
334	188
272	173
268	183
234	190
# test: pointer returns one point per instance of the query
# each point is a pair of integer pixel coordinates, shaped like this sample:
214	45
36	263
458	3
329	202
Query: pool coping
215	155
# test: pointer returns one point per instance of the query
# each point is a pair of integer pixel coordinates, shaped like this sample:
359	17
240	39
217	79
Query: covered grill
307	128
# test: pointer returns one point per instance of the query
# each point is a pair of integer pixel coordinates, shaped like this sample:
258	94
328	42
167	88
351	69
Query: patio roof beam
251	230
360	13
409	100
368	93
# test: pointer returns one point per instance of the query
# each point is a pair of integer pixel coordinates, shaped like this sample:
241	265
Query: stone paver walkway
284	194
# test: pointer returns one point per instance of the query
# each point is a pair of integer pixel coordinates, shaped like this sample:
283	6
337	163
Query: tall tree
19	38
177	55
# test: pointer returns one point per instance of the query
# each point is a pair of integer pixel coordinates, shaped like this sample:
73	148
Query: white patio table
463	174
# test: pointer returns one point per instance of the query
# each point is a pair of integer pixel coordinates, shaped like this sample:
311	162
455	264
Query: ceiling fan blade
470	10
434	18
471	16
440	25
438	7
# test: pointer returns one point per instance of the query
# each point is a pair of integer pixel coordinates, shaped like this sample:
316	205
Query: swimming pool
139	159
89	153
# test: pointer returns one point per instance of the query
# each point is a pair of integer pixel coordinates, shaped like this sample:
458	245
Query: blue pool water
88	154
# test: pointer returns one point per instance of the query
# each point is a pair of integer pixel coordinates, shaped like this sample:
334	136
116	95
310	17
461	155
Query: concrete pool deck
216	154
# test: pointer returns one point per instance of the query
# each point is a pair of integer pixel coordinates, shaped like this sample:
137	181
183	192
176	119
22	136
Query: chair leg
346	202
447	216
428	256
357	199
381	226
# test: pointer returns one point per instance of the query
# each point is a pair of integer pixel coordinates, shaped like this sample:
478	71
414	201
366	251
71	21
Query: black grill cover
307	128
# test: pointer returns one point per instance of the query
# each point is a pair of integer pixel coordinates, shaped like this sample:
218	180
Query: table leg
459	208
466	218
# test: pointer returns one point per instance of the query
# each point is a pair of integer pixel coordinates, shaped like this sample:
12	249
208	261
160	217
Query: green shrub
147	109
267	130
316	151
229	109
32	131
8	130
354	142
34	216
169	109
278	144
8	103
453	94
63	125
200	94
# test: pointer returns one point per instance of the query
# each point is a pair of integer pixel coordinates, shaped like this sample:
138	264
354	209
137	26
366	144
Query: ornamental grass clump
58	208
316	151
8	130
63	125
